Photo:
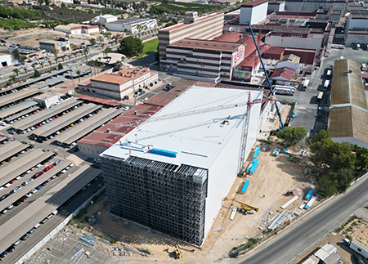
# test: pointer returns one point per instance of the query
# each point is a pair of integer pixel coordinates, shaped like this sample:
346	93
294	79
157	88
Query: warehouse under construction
172	172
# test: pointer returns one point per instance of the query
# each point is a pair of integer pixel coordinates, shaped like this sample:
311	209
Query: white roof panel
196	138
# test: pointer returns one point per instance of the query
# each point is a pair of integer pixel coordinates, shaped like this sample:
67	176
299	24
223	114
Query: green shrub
80	226
113	241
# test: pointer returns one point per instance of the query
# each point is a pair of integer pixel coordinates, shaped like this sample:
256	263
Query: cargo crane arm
246	206
265	71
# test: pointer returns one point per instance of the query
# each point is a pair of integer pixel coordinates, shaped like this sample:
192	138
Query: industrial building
6	60
120	84
51	45
348	119
206	27
313	5
103	19
46	100
172	172
132	24
208	58
253	12
78	29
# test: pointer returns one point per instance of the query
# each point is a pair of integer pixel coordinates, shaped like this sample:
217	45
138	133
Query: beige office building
206	27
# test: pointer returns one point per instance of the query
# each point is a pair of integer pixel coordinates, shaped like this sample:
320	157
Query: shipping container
245	187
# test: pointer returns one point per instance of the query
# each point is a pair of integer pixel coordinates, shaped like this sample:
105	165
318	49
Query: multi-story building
134	24
51	45
206	27
208	58
253	12
120	84
313	5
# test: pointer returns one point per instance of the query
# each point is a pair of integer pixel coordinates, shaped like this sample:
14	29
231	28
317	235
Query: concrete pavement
297	238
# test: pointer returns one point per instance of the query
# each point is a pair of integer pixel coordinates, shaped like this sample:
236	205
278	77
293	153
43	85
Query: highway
285	246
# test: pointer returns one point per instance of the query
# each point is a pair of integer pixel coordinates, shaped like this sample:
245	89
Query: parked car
24	237
16	189
16	243
30	231
48	168
38	174
3	255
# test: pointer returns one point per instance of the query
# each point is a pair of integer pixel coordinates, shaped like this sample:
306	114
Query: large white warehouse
132	24
172	172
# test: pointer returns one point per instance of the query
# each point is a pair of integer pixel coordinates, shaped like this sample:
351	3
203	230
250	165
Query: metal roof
197	138
13	97
347	86
359	245
65	120
348	121
35	212
45	114
16	108
87	126
23	163
25	112
10	149
83	71
322	254
333	259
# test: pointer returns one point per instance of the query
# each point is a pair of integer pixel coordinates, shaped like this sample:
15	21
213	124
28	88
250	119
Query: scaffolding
166	197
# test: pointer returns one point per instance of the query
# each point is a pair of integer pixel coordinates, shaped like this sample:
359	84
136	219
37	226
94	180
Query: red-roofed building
282	76
250	65
119	84
274	53
101	139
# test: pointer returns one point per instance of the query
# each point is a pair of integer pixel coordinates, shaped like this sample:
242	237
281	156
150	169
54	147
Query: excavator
244	208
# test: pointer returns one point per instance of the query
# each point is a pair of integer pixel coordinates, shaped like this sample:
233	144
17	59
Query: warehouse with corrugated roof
348	121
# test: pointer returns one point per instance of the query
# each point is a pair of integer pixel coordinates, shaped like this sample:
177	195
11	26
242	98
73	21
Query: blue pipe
268	80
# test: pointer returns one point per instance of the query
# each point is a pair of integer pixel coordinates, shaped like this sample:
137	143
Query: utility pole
71	74
135	98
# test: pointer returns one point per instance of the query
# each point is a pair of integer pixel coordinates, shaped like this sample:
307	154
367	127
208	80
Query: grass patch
347	222
80	226
144	251
149	46
113	241
71	221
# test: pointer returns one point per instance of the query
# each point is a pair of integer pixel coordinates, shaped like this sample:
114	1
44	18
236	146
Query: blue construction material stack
309	195
162	152
254	167
256	153
250	166
245	187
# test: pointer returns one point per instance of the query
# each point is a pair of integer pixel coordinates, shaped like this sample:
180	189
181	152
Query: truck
305	85
286	90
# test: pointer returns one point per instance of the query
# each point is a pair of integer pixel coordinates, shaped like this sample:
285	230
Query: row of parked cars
36	110
9	184
16	155
26	236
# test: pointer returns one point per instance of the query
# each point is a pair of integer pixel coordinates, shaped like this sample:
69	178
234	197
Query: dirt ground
357	229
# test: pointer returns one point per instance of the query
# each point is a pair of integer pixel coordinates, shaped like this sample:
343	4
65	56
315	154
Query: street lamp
71	74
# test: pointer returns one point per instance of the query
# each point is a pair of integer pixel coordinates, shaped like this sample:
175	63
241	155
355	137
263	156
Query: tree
100	39
130	46
41	63
16	71
16	54
361	160
63	48
118	64
85	52
326	184
56	59
23	59
63	57
63	5
40	2
47	2
292	135
335	155
128	32
13	79
169	24
60	66
92	41
33	66
55	52
79	72
36	73
69	56
25	69
107	51
75	54
50	62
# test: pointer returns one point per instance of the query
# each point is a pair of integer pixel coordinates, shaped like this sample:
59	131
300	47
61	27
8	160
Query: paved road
307	231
